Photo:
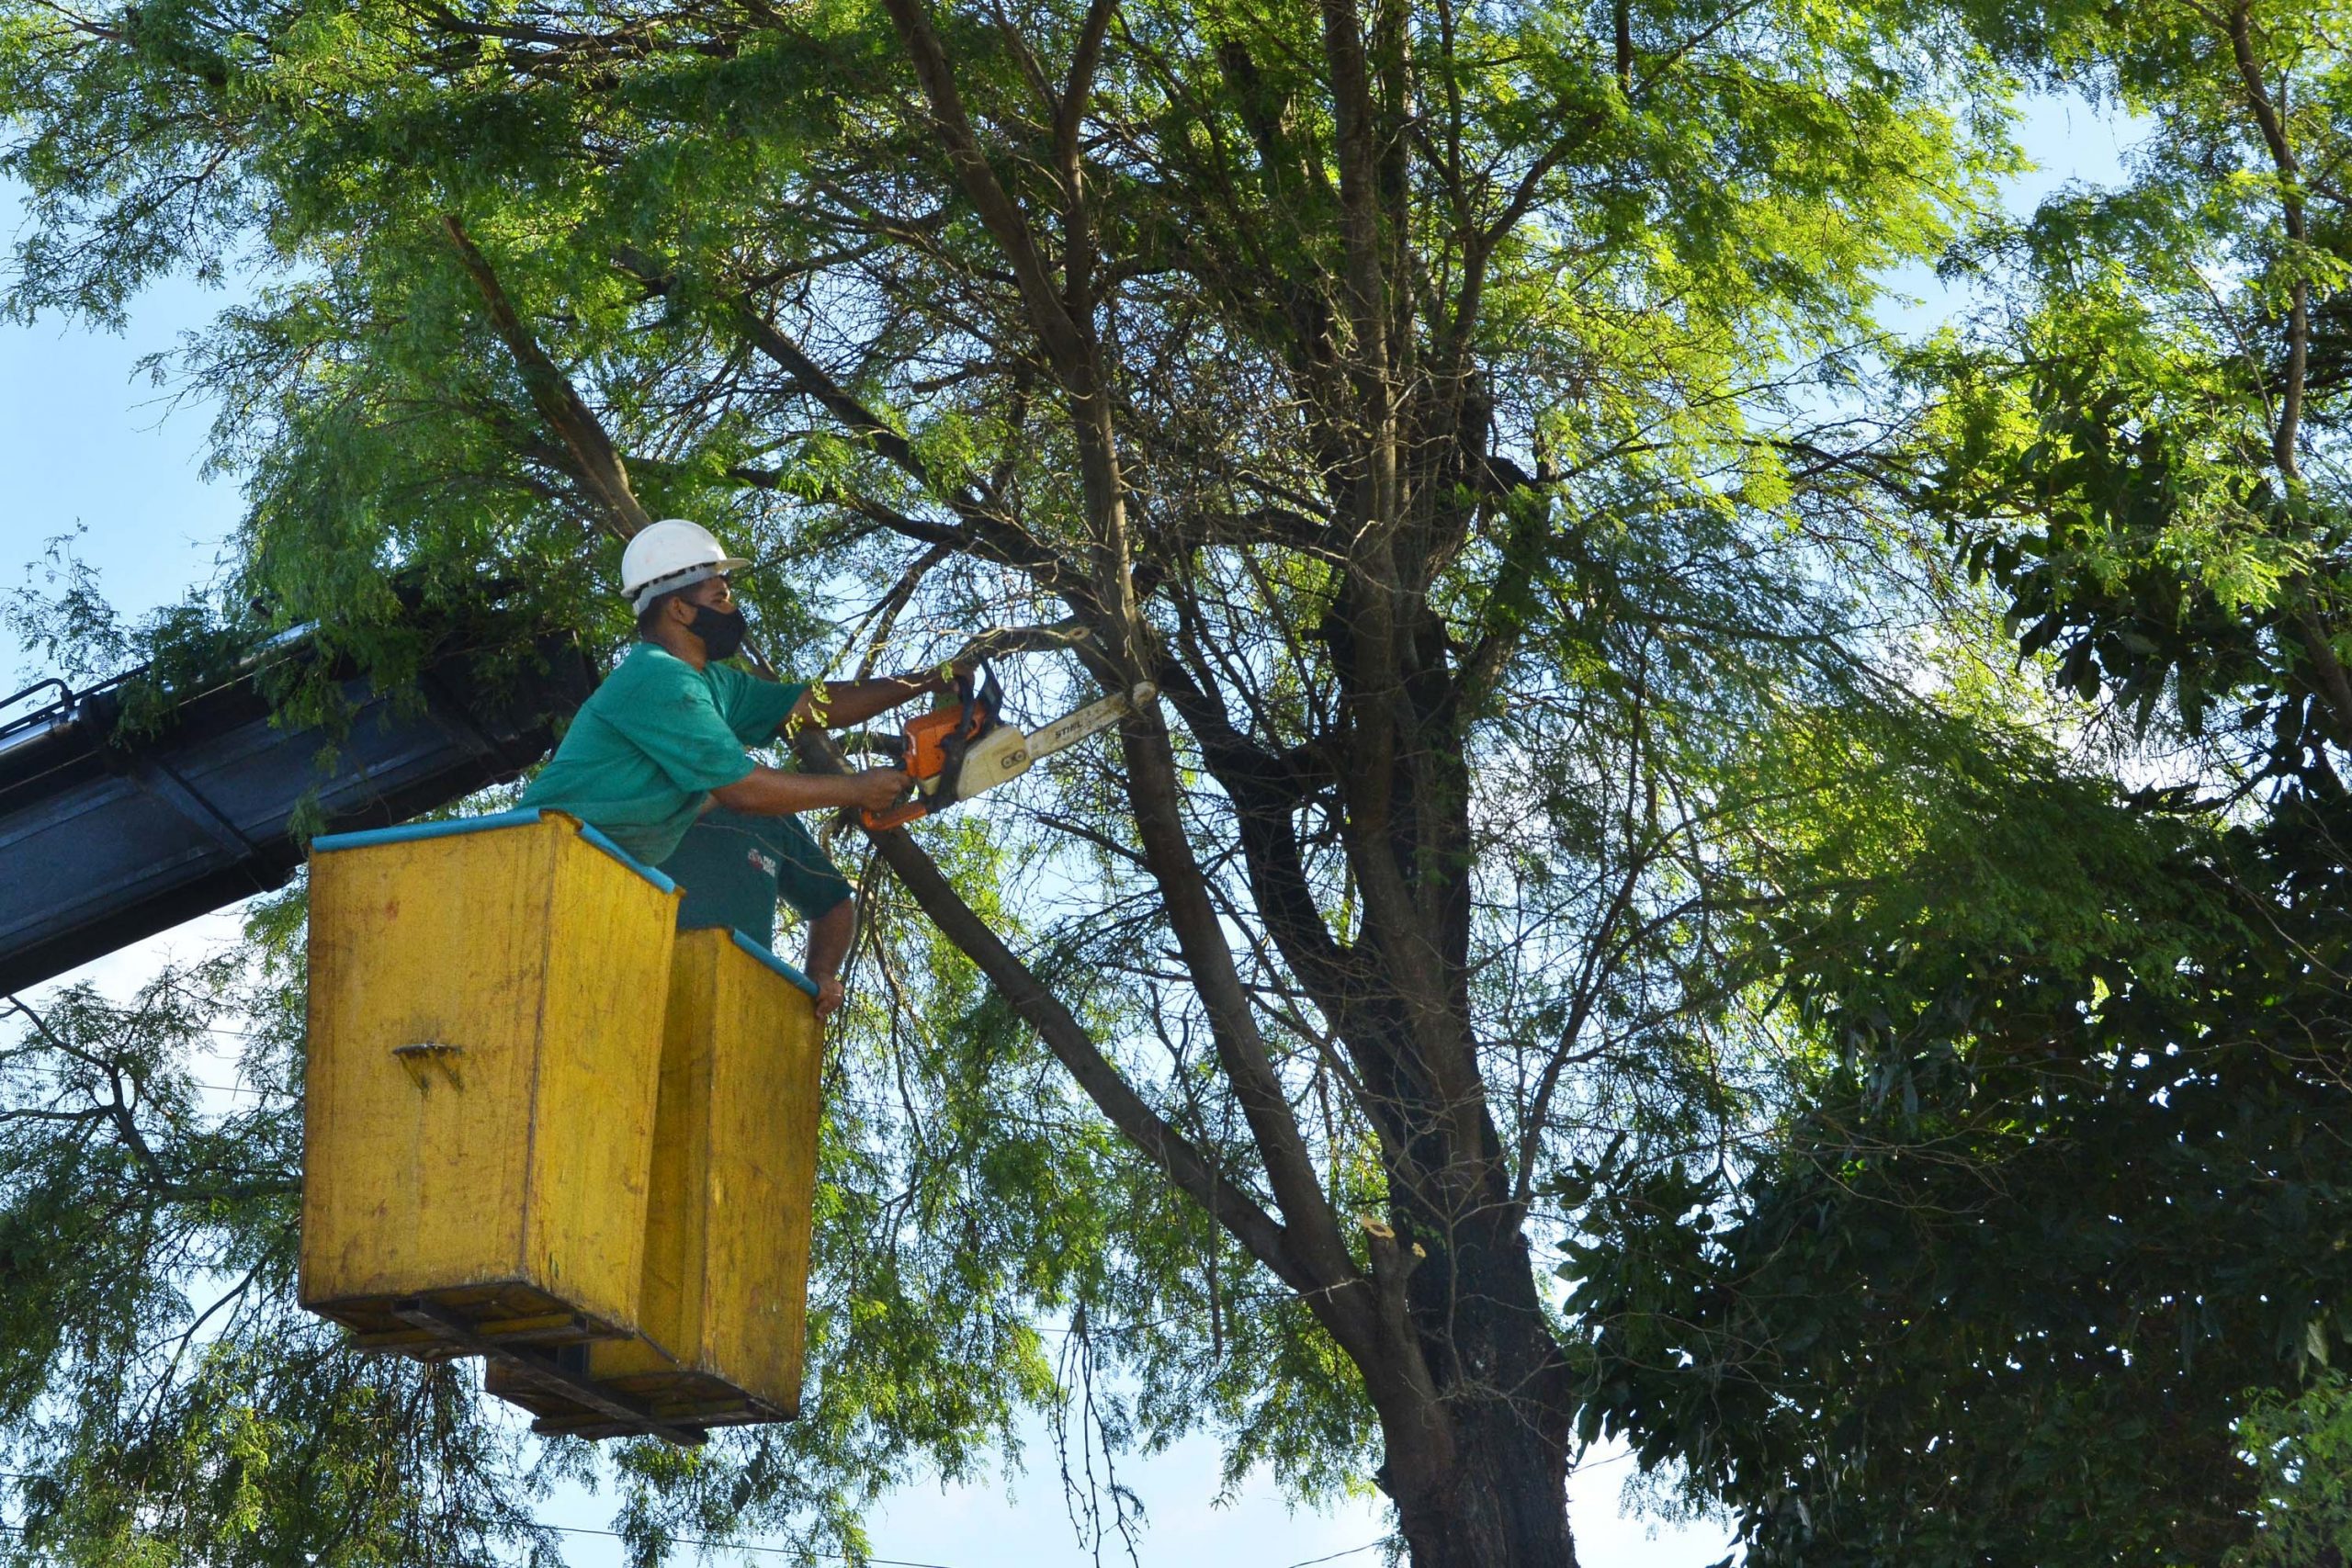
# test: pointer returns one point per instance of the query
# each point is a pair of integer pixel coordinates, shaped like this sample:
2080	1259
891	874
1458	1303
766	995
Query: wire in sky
1351	1551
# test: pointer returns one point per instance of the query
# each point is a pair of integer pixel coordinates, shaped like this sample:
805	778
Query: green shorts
734	867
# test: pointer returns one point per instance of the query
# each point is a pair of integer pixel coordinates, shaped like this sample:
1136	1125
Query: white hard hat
671	554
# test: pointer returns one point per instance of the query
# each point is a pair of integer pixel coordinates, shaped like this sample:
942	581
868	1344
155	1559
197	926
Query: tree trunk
1492	1488
1492	1491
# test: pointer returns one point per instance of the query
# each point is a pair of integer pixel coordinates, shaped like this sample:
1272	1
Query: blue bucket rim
773	962
450	828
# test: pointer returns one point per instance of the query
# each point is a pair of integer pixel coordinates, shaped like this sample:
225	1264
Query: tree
2144	451
155	1375
2299	1445
1407	394
2044	1256
2051	1210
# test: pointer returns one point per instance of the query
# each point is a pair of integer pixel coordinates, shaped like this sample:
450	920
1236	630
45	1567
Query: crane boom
109	834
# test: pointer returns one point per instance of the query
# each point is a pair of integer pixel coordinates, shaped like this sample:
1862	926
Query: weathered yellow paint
502	1171
723	1314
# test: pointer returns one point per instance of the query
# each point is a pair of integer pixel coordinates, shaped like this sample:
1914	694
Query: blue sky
88	444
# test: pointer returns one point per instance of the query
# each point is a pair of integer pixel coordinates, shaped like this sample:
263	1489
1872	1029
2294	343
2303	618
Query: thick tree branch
594	462
1062	320
2285	438
1352	107
2328	676
1265	790
1069	116
1037	1006
1233	1029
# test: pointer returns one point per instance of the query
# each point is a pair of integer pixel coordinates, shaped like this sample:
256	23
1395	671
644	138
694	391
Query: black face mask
722	630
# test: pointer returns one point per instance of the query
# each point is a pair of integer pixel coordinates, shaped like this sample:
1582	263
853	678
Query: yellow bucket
486	1016
723	1318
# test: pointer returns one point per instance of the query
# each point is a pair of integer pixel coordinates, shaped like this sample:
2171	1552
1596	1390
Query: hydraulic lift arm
107	836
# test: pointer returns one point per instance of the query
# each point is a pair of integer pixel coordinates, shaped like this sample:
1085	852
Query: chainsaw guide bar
968	749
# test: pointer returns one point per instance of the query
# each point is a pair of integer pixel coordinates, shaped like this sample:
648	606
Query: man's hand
828	995
876	789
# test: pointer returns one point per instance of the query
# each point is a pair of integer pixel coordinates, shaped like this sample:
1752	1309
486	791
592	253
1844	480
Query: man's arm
853	702
829	939
772	792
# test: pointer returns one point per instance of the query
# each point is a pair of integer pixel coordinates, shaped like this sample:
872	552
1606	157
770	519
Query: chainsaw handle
897	817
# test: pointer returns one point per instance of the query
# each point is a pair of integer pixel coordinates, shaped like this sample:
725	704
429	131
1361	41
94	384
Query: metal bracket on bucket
429	1053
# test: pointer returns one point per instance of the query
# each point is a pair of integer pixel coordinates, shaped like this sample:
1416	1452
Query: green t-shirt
649	746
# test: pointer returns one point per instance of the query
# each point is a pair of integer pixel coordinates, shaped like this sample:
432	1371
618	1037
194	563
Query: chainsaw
958	752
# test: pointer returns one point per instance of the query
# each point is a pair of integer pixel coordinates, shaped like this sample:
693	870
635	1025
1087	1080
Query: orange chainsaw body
932	751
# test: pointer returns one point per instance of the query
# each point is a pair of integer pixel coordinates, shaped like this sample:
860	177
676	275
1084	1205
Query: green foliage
2141	449
2303	1448
1909	1088
161	1398
2050	1199
176	652
2054	1188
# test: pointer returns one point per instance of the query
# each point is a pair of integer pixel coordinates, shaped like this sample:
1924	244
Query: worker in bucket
657	757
